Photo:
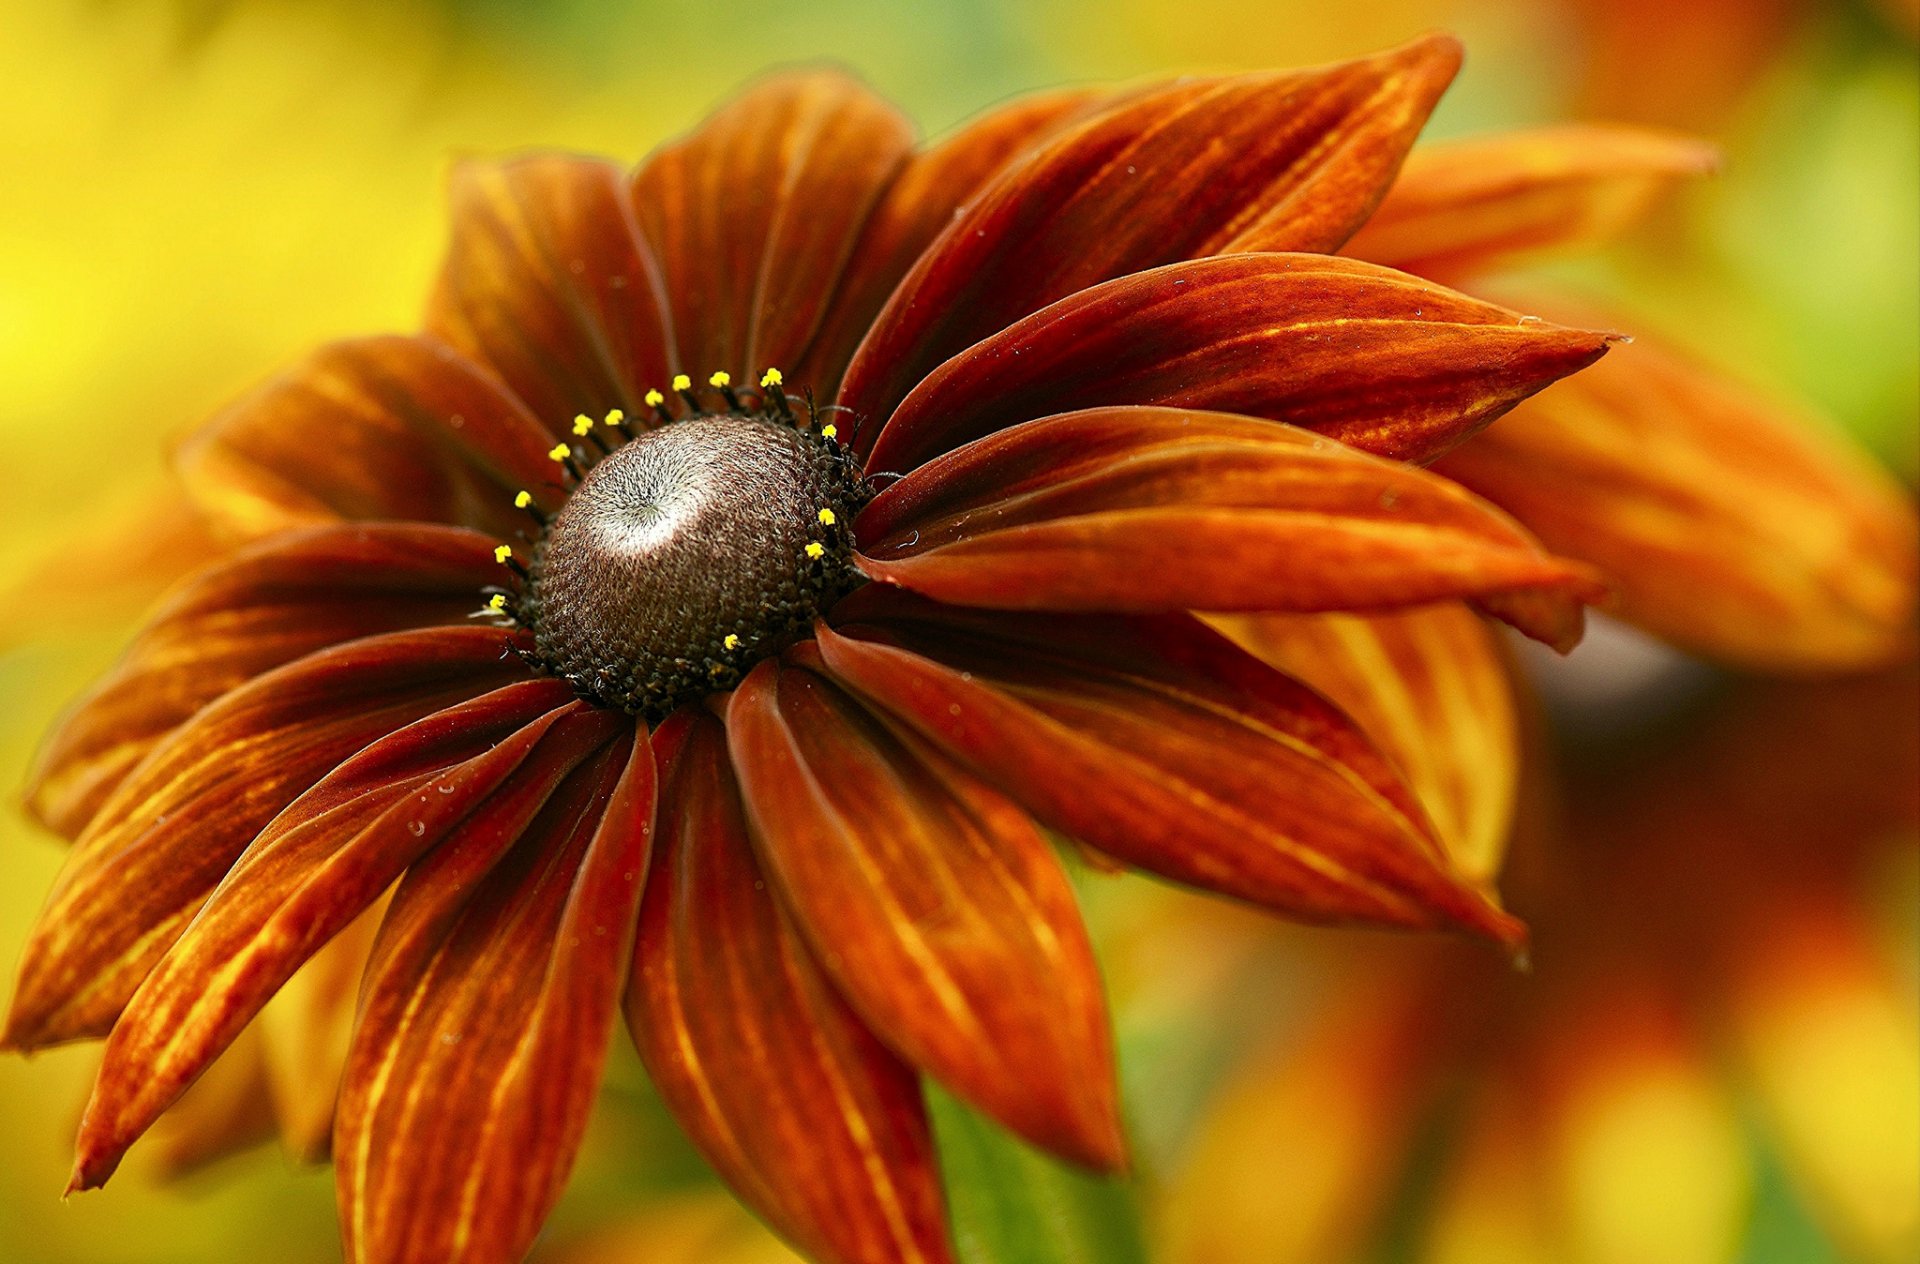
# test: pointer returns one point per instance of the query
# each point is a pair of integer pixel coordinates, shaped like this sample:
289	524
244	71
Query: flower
837	508
1717	1010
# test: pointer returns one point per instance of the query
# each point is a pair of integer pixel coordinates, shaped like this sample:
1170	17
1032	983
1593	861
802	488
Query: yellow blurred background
192	191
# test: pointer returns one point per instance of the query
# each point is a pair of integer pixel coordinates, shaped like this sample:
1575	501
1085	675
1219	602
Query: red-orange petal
811	1120
1377	359
1728	524
1430	686
389	427
261	607
312	871
936	905
1145	509
178	822
1180	755
549	283
490	999
755	214
922	199
1466	206
1291	160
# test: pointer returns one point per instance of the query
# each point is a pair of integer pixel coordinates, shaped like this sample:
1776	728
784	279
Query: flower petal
756	213
922	199
936	906
260	608
228	1111
305	1032
1159	743
1377	359
179	821
398	428
314	869
813	1123
1465	206
549	283
493	990
1430	687
1729	526
1289	160
1143	509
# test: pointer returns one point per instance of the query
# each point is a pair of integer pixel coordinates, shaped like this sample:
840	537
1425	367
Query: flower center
689	554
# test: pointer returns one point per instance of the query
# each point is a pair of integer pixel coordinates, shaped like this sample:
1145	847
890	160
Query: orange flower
770	698
1712	986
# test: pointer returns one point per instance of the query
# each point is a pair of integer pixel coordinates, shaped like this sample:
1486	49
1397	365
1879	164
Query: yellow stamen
826	517
732	642
771	377
829	430
560	452
615	417
583	425
816	550
654	399
721	378
681	382
502	553
522	500
497	602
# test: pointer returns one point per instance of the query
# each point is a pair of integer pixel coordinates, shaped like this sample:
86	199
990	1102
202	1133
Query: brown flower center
689	554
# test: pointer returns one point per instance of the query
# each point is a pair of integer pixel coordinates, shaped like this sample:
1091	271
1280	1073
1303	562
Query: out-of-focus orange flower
1709	969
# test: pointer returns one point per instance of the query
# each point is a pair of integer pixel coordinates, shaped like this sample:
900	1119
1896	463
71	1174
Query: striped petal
923	893
311	872
1143	509
921	200
1377	359
261	608
1289	160
1467	206
549	283
1159	743
377	428
1728	525
1430	687
171	831
492	993
811	1121
755	215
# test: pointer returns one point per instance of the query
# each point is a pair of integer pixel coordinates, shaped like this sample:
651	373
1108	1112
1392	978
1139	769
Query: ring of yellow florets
691	545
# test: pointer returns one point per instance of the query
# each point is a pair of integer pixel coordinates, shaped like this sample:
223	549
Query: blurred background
193	191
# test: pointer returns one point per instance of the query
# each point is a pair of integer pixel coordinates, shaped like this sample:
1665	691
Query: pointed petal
314	869
814	1124
258	609
935	904
1143	509
493	991
305	1032
1466	206
1430	688
1279	161
1157	741
921	200
1377	359
391	427
755	214
179	821
1729	526
549	283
